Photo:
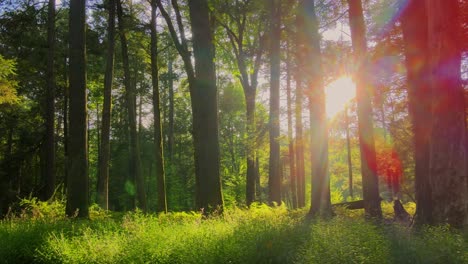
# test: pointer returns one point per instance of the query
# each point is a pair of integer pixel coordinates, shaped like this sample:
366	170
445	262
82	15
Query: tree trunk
348	146
251	143
161	204
77	196
274	180
66	97
205	111
300	174
170	134
370	183
130	94
50	106
104	154
292	167
414	27
320	194
448	149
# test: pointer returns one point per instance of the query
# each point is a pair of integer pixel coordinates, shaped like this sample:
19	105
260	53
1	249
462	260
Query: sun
338	93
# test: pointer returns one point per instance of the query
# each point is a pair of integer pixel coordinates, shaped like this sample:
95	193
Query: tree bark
104	154
274	180
448	160
300	45
130	94
205	111
161	204
66	97
292	167
77	196
414	27
348	146
251	142
170	134
50	179
366	135
320	194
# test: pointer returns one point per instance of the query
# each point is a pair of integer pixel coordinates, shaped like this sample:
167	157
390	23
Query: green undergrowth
258	235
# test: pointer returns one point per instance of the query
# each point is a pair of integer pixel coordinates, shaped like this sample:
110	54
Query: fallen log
359	204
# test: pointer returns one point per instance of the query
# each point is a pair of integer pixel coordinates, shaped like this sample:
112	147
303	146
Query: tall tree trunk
274	180
130	94
104	154
414	27
158	143
65	121
292	167
50	179
251	143
348	146
205	111
300	173
448	160
170	134
203	95
370	183
320	194
77	196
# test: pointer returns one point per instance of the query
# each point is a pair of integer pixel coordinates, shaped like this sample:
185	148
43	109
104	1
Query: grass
258	235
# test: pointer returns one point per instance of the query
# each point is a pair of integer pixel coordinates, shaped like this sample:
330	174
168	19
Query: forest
233	131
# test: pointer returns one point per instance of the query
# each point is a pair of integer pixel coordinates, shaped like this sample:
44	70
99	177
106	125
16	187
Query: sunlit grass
258	235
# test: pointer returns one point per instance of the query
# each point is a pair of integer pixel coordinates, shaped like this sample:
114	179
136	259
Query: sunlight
338	94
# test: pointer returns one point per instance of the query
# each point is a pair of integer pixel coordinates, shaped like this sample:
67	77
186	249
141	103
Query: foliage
258	235
7	82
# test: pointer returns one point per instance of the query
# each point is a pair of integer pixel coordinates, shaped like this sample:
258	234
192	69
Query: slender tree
274	180
348	147
300	50
130	95
320	194
50	106
448	160
414	27
104	153
363	94
292	167
77	191
158	143
248	55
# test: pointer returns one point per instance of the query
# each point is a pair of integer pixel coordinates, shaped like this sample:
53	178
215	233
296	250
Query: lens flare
338	94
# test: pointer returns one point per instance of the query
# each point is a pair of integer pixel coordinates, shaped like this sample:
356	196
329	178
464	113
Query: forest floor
258	235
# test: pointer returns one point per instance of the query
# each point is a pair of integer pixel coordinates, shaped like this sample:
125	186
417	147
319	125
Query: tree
77	182
50	106
274	177
248	43
104	154
130	95
203	95
363	95
414	27
291	152
300	50
158	144
448	158
320	195
348	152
